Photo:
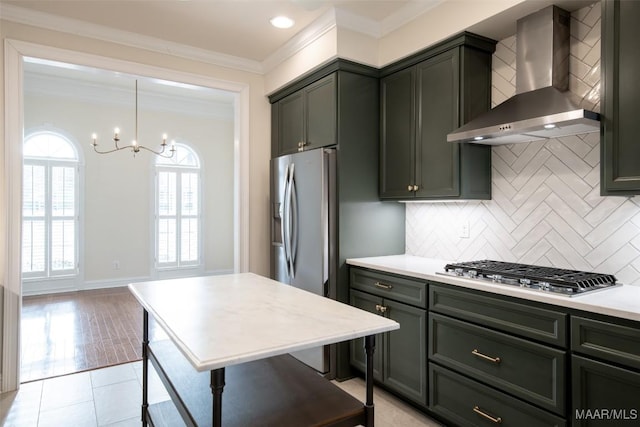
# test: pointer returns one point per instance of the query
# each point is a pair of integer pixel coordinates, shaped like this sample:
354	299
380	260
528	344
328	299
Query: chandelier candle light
135	147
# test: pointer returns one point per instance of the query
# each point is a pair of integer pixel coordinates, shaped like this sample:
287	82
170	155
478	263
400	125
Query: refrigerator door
300	229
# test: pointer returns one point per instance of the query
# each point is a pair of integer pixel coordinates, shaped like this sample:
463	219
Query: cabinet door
321	113
357	358
397	145
405	358
604	395
620	168
438	161
290	123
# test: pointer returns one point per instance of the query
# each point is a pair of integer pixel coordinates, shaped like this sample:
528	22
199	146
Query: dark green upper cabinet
620	148
423	98
398	133
306	119
437	161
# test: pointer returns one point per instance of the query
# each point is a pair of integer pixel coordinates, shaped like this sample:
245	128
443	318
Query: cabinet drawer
520	319
604	395
465	402
534	372
390	286
615	343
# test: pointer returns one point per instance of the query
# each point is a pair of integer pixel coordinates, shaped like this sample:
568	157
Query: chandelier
135	147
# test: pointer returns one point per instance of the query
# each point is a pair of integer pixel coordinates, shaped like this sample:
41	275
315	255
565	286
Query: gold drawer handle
479	411
475	352
382	286
381	308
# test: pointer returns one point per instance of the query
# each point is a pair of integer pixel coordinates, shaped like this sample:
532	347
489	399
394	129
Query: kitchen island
238	329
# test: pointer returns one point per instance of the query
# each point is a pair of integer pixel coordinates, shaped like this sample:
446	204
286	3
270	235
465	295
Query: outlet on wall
464	229
116	265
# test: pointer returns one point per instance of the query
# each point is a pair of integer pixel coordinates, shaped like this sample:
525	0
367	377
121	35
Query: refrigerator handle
293	210
285	216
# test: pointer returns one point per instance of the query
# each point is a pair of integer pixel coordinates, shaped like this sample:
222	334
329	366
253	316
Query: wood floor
78	331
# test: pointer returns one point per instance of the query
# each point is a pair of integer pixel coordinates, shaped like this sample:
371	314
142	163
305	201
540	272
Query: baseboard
108	283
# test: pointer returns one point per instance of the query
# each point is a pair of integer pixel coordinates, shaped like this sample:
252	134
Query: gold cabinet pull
409	187
479	411
415	188
475	352
382	286
381	308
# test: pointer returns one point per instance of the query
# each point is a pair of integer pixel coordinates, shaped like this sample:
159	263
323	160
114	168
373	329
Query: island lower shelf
278	391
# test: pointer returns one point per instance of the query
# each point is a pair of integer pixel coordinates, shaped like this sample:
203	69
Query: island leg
145	367
217	386
369	348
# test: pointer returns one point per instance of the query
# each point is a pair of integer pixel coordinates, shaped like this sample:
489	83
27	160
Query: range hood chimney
542	107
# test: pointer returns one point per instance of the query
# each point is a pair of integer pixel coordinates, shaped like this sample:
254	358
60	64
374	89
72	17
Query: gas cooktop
545	279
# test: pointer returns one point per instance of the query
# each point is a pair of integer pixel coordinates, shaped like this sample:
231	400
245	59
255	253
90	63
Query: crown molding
126	38
323	24
357	23
340	18
406	14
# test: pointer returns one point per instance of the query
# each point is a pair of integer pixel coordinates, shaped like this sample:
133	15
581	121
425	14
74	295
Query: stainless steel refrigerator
303	230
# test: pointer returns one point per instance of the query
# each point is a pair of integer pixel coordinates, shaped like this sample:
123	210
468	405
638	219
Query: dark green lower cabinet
531	371
368	303
604	395
400	357
465	402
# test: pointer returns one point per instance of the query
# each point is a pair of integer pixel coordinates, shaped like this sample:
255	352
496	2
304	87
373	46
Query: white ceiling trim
100	32
357	23
326	22
406	14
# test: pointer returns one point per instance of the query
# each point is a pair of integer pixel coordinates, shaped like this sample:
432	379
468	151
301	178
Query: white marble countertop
620	301
218	321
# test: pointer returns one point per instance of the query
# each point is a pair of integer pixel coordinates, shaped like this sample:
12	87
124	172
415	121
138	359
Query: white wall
118	196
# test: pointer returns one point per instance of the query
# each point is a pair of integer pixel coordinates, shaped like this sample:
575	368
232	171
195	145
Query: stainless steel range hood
542	107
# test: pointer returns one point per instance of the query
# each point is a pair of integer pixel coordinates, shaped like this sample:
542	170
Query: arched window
50	206
178	212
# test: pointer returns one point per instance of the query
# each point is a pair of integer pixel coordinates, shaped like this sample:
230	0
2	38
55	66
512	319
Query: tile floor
111	397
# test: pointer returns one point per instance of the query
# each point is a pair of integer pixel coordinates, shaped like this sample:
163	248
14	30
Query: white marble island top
218	321
620	301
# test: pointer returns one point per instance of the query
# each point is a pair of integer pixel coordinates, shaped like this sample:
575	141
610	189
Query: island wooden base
279	391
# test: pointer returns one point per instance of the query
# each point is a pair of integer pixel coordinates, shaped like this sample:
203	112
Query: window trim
178	265
71	274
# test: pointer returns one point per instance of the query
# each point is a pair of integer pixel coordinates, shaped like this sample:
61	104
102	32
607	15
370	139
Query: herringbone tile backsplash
546	207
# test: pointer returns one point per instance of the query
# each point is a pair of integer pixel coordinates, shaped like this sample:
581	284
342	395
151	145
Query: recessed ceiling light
549	126
478	138
282	22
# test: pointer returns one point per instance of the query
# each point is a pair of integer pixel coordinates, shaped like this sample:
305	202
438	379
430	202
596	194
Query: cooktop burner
548	279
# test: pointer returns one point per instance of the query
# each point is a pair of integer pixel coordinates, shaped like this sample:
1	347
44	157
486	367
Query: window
178	216
49	207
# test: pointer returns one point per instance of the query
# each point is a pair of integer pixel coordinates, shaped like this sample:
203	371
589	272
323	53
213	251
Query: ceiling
241	28
238	28
233	27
